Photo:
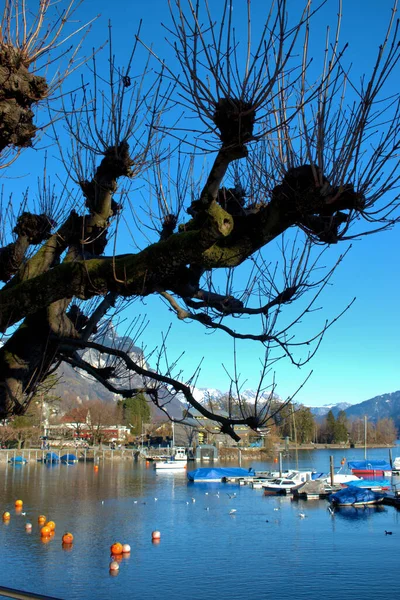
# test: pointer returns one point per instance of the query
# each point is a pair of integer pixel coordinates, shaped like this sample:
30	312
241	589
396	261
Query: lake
264	549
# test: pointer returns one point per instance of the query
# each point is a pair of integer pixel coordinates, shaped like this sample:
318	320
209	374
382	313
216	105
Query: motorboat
341	478
280	486
177	462
285	485
170	465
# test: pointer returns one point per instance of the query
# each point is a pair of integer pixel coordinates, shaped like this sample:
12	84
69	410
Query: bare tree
289	154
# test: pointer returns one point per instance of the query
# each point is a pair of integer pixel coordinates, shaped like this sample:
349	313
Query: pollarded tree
291	150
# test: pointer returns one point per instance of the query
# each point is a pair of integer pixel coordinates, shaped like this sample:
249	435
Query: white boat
170	465
178	461
340	478
285	485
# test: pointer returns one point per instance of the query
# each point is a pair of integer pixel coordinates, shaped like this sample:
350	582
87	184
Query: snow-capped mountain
321	411
85	385
204	395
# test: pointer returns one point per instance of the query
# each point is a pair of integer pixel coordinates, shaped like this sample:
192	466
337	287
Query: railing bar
19	595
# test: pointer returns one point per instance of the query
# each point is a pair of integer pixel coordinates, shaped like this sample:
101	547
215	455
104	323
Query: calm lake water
264	550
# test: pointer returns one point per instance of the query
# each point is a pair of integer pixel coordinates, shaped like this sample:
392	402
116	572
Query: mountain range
78	384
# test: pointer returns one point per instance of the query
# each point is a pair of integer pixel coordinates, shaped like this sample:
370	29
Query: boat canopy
218	473
369	465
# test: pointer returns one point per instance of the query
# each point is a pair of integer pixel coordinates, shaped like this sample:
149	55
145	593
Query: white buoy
114	566
126	548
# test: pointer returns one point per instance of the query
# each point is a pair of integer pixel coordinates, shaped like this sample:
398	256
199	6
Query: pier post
280	464
331	469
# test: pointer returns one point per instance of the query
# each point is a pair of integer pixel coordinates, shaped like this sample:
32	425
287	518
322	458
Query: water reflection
203	552
357	513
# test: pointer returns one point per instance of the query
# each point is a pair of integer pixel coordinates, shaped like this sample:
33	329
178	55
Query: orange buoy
156	535
19	504
45	531
41	519
275	460
126	548
51	525
116	548
6	516
96	467
67	538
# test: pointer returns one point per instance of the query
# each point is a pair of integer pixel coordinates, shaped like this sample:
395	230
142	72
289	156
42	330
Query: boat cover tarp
370	465
69	458
207	474
352	495
18	460
371	482
51	457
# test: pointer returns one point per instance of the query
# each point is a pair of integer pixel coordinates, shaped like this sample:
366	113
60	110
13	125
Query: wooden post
332	471
365	437
280	464
240	456
390	458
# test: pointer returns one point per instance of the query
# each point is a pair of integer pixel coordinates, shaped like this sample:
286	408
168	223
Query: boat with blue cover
69	459
18	460
355	496
218	474
51	458
370	467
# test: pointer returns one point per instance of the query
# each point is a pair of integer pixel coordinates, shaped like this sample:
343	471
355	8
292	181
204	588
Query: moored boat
374	468
69	459
355	496
178	461
218	474
18	460
170	465
286	485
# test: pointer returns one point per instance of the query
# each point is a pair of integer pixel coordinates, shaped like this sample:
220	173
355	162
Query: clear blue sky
359	357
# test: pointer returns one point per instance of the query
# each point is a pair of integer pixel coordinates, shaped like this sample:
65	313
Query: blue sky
359	356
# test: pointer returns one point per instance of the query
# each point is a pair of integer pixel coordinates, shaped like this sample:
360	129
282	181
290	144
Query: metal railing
6	592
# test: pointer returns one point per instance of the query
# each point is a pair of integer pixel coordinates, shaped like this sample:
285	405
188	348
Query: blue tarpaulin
69	458
18	460
352	495
218	473
51	457
369	465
